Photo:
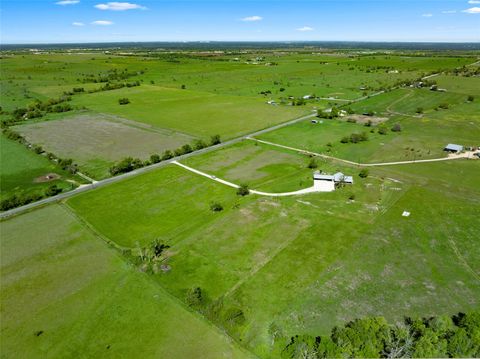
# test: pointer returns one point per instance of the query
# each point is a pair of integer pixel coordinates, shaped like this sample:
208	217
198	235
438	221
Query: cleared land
96	141
196	113
67	294
23	172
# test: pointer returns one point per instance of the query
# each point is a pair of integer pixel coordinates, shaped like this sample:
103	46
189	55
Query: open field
21	171
66	294
96	141
195	113
168	263
272	257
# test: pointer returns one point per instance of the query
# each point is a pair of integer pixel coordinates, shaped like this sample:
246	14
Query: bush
124	101
364	173
215	140
382	130
243	190
53	190
216	207
470	98
396	127
199	144
419	110
126	165
312	164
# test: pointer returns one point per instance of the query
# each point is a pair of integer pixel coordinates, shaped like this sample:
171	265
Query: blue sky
57	21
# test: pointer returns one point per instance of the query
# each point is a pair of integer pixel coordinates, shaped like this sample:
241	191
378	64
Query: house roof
453	147
337	177
319	176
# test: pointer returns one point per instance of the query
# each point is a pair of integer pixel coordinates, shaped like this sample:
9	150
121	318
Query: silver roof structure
337	177
453	147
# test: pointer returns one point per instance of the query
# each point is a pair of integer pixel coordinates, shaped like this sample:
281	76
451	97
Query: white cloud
119	6
472	10
252	18
427	15
77	23
305	28
474	2
102	22
67	2
449	12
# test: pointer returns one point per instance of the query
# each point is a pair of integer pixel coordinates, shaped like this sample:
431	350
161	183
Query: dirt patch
362	119
47	178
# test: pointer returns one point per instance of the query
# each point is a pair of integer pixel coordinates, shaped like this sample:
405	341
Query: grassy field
196	113
21	171
96	141
277	259
67	294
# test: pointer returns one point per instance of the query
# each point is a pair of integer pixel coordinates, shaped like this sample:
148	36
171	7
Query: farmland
160	261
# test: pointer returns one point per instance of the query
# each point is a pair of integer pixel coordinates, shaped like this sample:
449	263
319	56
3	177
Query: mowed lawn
66	294
196	113
96	141
20	167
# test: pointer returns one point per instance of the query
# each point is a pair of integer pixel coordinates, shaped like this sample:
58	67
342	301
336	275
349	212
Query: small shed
453	148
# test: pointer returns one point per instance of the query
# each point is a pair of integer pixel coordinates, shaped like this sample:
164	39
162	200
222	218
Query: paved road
97	184
230	184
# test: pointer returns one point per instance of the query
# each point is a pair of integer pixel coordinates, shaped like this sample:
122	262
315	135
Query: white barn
327	183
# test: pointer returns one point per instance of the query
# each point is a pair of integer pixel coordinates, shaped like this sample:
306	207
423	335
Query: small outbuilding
453	148
327	183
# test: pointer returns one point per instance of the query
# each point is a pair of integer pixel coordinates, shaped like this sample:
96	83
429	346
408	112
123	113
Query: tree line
129	164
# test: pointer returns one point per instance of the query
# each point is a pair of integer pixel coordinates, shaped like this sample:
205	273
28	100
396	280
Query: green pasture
65	293
195	113
19	167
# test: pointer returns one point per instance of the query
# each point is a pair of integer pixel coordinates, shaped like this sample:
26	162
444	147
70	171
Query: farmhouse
327	183
453	148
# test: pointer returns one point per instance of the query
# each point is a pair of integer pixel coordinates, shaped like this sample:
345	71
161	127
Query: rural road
268	194
453	157
107	181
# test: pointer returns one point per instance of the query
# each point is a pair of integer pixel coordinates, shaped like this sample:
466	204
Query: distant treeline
435	337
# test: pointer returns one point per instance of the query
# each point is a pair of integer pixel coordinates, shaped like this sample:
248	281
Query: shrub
312	164
167	155
364	173
419	110
396	127
216	207
199	144
53	190
382	130
243	190
124	101
470	98
215	140
345	139
126	165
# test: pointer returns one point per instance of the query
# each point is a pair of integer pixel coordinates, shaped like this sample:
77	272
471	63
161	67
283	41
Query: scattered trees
53	190
355	138
126	165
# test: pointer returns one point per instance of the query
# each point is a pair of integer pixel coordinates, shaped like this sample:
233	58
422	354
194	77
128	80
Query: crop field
22	171
96	141
66	294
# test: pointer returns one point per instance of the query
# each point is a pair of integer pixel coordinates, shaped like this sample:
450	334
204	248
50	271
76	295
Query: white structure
327	183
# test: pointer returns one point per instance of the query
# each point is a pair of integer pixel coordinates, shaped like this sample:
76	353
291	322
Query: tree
216	207
199	144
419	110
215	140
470	98
183	87
53	190
155	158
382	129
167	155
397	127
157	247
243	190
124	101
312	164
364	173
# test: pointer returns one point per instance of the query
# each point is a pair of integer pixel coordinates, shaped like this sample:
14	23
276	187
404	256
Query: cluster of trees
110	75
435	337
129	164
18	200
355	138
